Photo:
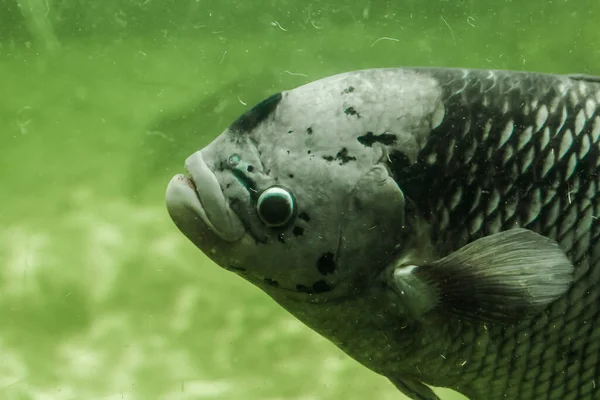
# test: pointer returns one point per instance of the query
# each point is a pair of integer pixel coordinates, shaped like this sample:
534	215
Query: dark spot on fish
250	168
291	176
271	282
385	139
351	111
321	287
309	130
288	151
326	263
234	268
298	231
304	216
281	238
341	155
349	89
228	186
290	131
248	121
303	289
308	152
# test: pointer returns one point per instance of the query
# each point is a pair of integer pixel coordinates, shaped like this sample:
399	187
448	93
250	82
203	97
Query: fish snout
200	196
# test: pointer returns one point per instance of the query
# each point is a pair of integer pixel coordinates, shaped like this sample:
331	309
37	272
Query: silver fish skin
424	220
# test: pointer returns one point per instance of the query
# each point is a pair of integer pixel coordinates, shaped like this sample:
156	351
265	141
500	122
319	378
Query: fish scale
560	347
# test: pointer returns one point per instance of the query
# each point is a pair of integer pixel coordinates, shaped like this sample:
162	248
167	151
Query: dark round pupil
275	210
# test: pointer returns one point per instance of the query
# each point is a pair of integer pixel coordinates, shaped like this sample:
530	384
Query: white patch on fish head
328	145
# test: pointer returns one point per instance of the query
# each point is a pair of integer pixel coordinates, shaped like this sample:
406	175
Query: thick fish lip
200	196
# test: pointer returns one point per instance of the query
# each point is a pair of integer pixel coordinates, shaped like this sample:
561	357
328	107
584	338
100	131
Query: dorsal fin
585	78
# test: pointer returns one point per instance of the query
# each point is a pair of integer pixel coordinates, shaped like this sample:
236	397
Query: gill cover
375	209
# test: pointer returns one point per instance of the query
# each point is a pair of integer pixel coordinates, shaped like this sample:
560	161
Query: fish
438	225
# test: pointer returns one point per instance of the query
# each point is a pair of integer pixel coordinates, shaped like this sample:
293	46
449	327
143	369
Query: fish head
297	195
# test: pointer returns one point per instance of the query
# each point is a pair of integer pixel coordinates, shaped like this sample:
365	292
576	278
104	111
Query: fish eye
275	206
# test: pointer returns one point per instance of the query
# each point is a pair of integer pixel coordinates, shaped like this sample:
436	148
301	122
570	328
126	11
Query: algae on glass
100	295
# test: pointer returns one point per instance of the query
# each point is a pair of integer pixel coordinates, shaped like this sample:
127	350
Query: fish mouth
199	197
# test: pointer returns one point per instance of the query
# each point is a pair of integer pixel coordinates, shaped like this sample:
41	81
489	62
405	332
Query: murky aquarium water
101	296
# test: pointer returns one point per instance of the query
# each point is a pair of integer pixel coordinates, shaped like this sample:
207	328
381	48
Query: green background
101	101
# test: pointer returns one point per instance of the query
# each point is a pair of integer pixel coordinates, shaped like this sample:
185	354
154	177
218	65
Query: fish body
438	225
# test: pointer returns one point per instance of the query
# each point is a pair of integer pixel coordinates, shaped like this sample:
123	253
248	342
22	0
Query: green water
100	102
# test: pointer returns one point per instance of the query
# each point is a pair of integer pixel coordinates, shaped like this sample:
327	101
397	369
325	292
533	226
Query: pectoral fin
503	277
